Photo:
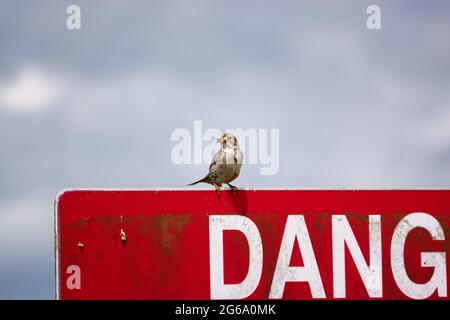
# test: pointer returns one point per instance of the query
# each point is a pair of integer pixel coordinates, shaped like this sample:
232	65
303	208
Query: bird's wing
216	159
211	165
238	157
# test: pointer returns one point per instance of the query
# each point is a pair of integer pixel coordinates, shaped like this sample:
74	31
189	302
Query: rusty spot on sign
357	220
169	228
319	219
108	221
82	223
166	235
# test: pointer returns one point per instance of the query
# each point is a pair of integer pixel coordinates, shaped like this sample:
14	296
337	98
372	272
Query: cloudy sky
96	107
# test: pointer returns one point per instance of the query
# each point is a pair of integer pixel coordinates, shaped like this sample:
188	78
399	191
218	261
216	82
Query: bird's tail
205	179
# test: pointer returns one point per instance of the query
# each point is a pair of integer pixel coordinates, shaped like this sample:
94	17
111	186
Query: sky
96	107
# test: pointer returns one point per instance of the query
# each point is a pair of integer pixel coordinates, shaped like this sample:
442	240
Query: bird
225	165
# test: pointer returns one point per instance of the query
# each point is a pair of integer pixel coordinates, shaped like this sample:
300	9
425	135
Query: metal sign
253	244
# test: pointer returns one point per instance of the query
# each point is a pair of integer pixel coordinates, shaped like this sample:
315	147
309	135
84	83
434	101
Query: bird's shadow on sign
238	200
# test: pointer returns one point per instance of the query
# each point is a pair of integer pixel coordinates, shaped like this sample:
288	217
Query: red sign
255	244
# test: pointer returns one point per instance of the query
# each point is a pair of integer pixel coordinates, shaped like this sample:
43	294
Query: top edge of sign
257	189
65	190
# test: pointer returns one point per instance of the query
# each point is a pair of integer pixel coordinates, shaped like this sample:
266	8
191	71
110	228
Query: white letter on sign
428	259
217	224
371	275
296	229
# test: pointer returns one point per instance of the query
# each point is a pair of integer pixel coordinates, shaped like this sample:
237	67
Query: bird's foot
233	188
217	189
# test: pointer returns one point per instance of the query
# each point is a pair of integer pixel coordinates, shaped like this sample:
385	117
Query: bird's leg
233	188
217	189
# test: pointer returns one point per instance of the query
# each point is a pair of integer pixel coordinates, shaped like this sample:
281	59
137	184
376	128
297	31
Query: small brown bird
225	165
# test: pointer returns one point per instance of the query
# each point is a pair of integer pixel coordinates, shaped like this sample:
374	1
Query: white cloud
30	90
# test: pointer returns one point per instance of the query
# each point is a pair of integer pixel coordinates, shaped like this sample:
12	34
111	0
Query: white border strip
60	193
56	243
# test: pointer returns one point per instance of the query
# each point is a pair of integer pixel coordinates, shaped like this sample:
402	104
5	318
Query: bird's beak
221	140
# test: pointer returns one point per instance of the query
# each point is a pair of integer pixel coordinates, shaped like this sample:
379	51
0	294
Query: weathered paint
166	254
